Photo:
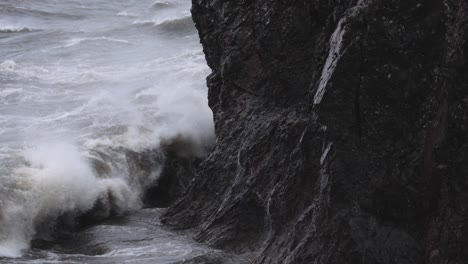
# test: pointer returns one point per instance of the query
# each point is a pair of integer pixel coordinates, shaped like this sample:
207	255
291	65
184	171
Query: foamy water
81	83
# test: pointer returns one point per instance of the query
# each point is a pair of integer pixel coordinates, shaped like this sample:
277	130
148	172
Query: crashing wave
58	181
61	184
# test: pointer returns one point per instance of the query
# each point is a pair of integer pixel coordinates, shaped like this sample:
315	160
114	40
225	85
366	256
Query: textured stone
341	131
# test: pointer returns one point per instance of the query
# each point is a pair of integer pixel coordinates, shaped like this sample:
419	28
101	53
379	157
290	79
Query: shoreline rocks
341	131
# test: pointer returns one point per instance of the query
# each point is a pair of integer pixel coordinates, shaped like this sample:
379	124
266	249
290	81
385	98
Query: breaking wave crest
11	29
177	25
59	181
78	41
55	180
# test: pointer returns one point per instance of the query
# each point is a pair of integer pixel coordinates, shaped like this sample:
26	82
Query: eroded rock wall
342	131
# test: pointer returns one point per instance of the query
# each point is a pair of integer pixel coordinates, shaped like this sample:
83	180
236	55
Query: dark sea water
81	83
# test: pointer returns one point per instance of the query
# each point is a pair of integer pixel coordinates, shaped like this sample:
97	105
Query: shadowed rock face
175	177
342	131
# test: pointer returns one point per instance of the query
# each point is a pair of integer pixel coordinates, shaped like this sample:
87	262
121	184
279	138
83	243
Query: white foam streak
77	41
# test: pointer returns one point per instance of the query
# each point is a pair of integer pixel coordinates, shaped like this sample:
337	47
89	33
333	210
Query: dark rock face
342	131
176	175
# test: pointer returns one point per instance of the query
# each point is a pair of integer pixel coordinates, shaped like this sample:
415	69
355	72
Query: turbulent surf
84	83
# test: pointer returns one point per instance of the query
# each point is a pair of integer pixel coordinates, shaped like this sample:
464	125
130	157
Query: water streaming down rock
92	100
334	54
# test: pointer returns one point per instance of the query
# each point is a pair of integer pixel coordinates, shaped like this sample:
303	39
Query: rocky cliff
342	131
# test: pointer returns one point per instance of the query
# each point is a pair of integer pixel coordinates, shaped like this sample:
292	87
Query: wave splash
88	112
59	180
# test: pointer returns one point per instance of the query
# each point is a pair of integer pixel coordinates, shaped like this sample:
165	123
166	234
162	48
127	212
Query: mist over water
81	83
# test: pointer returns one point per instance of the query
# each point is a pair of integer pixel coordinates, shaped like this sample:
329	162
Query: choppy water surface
137	237
84	81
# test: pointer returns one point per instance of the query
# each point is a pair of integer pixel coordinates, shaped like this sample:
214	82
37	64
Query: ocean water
82	82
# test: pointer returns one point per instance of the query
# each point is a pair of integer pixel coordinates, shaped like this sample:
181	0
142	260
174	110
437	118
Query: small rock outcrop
342	131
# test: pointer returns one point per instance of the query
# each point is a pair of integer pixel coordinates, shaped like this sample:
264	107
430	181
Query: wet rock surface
342	131
175	178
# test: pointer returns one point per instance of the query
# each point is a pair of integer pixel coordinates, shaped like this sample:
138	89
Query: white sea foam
77	41
24	70
92	99
8	65
57	180
126	14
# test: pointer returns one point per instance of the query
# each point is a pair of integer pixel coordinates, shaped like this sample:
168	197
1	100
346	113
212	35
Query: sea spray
108	178
88	110
57	180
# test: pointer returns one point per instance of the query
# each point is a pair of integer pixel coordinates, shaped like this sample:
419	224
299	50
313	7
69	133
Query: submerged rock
342	131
